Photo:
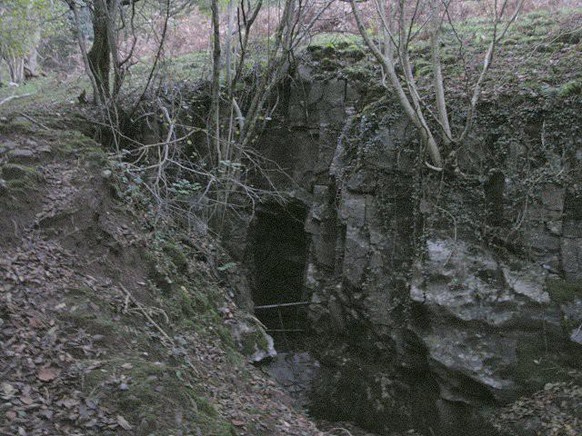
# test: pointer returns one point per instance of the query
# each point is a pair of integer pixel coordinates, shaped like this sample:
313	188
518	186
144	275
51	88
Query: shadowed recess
278	256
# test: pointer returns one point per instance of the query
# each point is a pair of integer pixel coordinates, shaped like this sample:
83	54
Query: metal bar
285	330
276	306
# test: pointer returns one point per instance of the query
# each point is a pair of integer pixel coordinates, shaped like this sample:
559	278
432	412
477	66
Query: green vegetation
174	308
563	291
572	88
49	100
20	178
23	23
149	392
541	50
535	367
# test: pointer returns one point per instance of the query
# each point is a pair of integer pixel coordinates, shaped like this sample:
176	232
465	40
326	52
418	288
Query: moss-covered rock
564	291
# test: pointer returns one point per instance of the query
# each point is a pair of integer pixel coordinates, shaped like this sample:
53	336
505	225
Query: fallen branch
13	97
432	167
340	429
32	120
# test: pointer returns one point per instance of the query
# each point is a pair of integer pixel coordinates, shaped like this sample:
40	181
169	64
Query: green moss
573	87
538	365
194	307
17	126
153	394
235	359
206	407
92	318
159	271
95	157
19	186
176	255
254	341
358	73
224	334
563	291
249	345
71	141
20	178
327	64
94	324
341	40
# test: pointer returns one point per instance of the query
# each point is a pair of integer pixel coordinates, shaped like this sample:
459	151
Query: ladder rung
275	306
284	330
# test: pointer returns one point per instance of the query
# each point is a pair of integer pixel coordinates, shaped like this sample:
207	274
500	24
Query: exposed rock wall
436	296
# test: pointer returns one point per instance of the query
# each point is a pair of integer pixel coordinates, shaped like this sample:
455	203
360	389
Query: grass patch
49	96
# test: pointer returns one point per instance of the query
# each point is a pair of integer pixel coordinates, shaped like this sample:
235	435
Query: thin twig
157	326
146	314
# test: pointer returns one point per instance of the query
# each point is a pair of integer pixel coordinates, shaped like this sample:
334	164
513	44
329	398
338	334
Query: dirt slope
108	325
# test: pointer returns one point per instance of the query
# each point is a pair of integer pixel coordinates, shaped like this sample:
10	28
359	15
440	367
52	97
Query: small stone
123	387
106	174
21	153
555	227
576	335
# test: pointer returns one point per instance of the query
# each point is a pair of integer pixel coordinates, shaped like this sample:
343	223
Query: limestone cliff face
437	294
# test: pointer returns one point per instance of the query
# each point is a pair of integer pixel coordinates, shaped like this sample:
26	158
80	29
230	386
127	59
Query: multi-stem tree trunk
16	68
398	31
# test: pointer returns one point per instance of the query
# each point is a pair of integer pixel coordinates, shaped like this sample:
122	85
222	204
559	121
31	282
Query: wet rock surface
296	372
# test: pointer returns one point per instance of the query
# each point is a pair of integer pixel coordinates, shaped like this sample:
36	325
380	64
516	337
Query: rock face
436	297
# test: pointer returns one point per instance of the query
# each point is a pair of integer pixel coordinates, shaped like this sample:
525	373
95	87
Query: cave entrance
278	253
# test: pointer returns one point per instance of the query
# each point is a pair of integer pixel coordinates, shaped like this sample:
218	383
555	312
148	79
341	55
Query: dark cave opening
278	255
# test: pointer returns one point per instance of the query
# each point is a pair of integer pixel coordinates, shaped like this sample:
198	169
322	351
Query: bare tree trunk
215	107
16	68
247	23
228	44
410	105
113	8
31	64
83	47
100	55
438	81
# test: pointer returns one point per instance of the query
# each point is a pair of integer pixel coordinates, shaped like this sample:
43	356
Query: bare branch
411	108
